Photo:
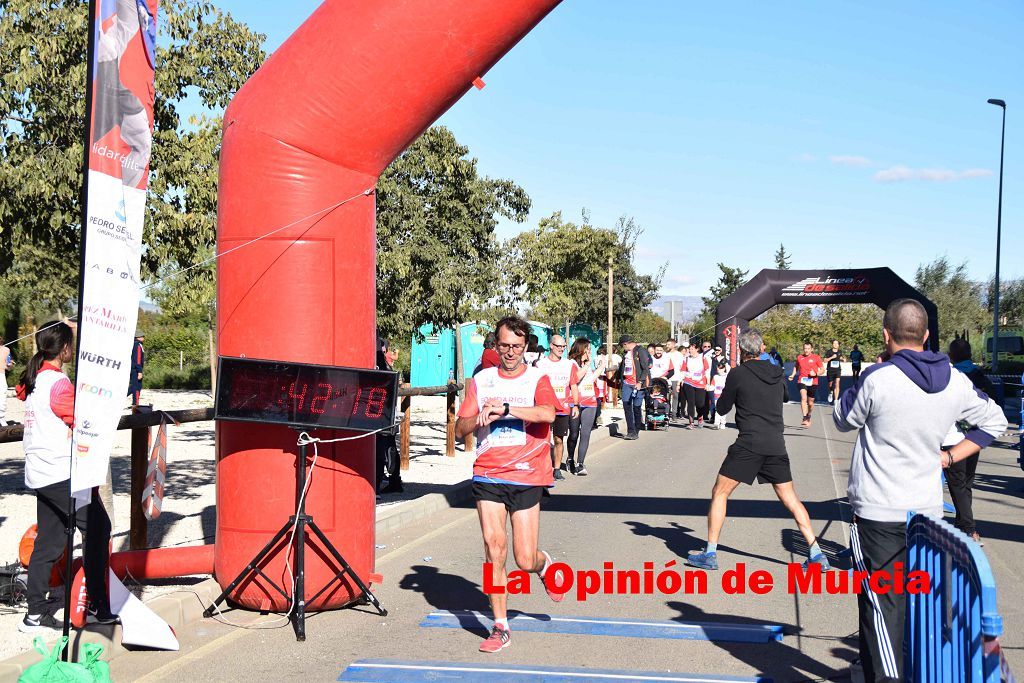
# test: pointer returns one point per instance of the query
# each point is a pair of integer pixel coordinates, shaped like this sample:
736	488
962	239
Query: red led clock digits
376	403
321	397
300	397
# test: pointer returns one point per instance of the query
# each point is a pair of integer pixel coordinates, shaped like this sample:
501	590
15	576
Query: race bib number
807	381
559	389
507	432
587	388
833	364
696	375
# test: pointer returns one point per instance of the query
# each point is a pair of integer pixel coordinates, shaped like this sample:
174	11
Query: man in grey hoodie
903	409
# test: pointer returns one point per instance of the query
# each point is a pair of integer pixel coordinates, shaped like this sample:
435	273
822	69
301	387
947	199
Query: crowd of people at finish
681	382
917	413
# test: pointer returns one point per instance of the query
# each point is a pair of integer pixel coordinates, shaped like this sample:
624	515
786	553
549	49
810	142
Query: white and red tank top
560	374
511	450
660	366
695	371
585	380
628	370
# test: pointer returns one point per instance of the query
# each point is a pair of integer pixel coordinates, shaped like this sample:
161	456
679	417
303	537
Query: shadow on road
793	541
680	542
780	660
449	592
1001	484
694	507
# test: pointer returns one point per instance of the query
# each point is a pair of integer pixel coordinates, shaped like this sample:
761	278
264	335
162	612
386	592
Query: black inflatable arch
879	286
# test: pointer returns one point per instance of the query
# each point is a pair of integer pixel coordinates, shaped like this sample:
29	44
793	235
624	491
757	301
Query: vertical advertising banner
120	140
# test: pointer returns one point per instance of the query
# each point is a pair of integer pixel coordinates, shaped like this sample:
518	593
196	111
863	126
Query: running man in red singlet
808	367
510	408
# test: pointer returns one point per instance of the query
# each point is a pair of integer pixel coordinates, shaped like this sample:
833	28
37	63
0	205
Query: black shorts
834	374
743	465
560	427
513	497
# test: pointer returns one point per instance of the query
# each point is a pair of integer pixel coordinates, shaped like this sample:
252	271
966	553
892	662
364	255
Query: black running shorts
560	427
513	497
744	466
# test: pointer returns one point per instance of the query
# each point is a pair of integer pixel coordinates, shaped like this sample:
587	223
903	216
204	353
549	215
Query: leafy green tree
646	327
437	256
788	327
782	258
203	58
729	281
957	297
1011	301
560	271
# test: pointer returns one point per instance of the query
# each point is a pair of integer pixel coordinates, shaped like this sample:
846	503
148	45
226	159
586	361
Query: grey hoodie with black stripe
903	409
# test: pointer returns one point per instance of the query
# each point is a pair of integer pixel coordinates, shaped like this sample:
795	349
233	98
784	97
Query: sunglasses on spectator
505	347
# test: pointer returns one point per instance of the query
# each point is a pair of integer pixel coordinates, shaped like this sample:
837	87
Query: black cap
625	339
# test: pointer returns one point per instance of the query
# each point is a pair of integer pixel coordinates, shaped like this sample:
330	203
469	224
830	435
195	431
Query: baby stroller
657	404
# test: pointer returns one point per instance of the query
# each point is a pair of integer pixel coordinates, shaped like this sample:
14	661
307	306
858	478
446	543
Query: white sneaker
721	425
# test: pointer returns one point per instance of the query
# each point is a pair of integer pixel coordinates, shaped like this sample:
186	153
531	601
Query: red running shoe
557	597
499	639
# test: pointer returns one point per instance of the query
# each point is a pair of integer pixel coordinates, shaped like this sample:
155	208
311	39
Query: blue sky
857	134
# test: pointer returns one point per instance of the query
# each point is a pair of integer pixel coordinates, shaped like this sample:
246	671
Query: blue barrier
1020	423
951	632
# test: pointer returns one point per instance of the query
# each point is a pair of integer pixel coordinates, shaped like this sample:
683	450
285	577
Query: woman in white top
49	416
581	425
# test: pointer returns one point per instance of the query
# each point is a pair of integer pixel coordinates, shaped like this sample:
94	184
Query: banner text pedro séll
667	580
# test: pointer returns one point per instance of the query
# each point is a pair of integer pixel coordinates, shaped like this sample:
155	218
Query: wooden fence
140	422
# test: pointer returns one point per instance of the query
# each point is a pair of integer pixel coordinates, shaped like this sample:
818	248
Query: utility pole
672	319
999	232
611	288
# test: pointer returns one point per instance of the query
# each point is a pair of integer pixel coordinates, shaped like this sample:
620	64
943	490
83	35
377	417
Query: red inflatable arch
315	126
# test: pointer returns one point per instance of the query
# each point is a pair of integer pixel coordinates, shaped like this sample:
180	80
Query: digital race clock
303	395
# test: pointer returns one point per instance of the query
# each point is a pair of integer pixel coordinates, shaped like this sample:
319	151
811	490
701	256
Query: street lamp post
999	229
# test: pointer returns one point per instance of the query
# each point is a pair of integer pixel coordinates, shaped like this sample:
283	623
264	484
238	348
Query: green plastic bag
52	670
99	669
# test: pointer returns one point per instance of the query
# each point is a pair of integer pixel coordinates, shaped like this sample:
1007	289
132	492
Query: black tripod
299	522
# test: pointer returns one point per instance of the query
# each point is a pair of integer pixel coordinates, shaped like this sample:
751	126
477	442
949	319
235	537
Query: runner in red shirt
510	408
808	366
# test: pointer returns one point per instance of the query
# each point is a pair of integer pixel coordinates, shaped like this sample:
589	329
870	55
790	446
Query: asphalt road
644	501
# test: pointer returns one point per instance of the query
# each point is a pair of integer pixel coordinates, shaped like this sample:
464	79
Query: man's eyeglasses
558	346
507	347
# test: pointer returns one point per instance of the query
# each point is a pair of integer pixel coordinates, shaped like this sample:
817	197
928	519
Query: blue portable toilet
577	330
432	359
472	344
543	332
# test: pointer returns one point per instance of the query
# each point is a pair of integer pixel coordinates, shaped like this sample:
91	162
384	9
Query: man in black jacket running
758	390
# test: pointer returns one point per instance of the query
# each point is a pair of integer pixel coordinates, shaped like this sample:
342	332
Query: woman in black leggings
580	426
